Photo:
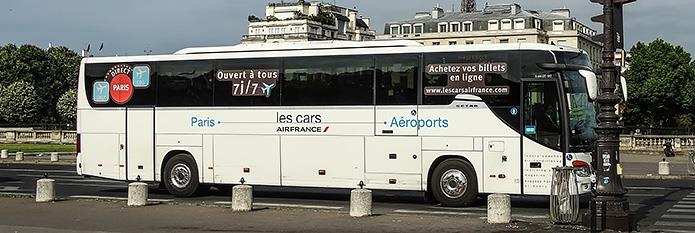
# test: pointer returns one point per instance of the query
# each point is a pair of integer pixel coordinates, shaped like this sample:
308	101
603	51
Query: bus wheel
181	176
454	183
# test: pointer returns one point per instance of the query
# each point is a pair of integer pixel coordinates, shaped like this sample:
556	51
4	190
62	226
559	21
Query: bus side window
185	83
328	81
396	79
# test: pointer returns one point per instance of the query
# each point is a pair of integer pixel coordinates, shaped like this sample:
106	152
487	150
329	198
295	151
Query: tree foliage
51	72
67	106
19	103
661	82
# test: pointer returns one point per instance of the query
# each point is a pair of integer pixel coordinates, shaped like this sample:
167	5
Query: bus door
542	134
140	143
393	159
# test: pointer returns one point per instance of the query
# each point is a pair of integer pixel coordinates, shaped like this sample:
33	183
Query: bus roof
320	48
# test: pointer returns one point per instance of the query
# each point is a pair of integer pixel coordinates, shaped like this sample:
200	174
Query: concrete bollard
3	154
664	168
360	202
499	208
54	157
242	198
137	194
45	190
19	156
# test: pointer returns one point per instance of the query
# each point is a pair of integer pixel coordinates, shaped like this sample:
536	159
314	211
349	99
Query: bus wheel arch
455	164
180	174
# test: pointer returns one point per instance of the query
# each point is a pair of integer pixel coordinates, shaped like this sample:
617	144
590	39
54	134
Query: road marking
644	195
51	177
678	216
649	188
677	224
684	206
669	230
435	212
9	188
16	194
681	211
686	202
460	208
483	216
688	199
115	198
278	205
42	171
95	185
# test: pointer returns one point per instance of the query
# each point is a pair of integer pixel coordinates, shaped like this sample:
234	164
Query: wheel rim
453	183
180	175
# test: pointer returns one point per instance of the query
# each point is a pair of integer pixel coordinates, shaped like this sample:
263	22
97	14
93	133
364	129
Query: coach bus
454	122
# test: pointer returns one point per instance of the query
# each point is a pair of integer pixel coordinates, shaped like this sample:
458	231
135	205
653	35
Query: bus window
326	81
186	83
542	113
396	79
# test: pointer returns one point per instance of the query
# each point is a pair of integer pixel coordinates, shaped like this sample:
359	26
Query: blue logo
606	180
569	157
141	76
100	92
514	111
530	130
267	89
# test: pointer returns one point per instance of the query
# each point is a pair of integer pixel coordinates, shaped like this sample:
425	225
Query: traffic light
616	21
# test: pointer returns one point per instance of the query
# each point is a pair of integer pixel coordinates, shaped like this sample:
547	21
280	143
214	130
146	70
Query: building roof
491	12
361	23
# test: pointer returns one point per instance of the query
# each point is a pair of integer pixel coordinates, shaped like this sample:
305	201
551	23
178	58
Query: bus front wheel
181	176
454	183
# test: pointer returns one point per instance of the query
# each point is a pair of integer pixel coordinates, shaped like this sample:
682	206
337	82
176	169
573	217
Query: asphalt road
667	205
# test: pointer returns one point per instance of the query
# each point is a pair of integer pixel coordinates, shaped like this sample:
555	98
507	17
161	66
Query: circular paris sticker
121	89
120	83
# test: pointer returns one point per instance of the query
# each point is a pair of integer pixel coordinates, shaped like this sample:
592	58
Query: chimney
516	9
437	12
561	12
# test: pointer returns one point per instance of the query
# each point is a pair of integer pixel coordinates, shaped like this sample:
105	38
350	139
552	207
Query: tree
52	72
661	82
19	103
67	106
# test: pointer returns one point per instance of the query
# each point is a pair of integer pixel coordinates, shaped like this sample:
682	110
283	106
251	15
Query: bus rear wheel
180	176
454	183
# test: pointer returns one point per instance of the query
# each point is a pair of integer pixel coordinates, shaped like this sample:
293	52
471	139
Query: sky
131	27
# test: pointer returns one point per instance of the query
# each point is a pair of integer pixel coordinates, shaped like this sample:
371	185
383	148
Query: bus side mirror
591	83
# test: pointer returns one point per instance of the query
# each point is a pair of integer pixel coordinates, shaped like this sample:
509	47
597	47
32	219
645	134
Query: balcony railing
38	136
656	142
287	36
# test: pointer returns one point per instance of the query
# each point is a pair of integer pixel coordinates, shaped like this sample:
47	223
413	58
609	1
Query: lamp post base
612	213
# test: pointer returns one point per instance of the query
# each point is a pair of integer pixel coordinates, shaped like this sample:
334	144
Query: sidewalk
45	158
23	215
646	166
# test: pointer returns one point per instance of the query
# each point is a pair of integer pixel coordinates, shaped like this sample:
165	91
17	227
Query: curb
657	177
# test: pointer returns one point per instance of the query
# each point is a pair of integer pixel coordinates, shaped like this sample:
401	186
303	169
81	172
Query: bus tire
454	183
181	176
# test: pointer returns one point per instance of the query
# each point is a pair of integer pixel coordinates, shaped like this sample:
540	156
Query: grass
30	148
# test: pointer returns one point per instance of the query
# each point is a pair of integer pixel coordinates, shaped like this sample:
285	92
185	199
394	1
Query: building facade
506	23
307	21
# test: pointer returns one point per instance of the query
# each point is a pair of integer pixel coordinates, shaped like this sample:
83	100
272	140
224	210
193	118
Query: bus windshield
582	110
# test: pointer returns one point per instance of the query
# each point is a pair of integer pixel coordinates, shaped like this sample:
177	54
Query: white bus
451	121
